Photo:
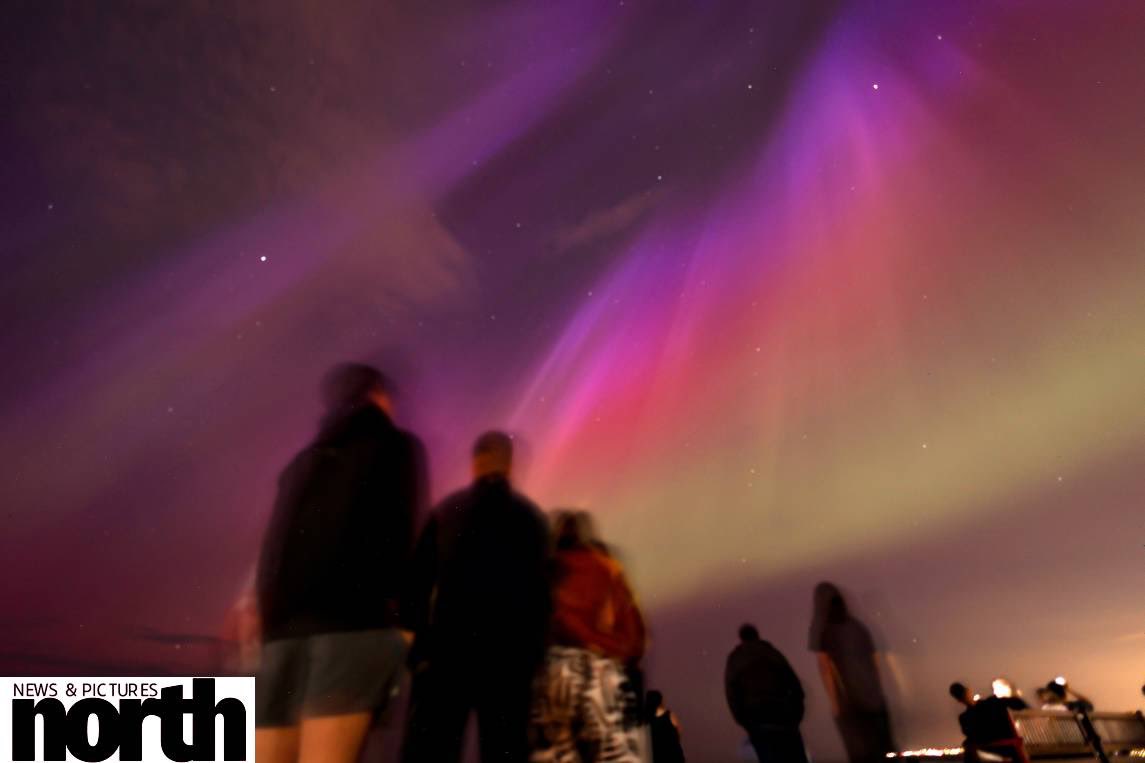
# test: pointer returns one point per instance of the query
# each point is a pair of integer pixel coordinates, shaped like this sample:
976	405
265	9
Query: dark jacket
480	586
336	553
761	687
666	746
988	720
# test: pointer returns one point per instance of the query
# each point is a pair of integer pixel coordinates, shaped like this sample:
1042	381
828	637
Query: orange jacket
593	607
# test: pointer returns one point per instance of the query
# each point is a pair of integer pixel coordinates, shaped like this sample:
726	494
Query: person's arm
544	576
245	619
421	479
831	681
630	626
417	597
412	593
734	693
242	631
794	688
1078	697
890	671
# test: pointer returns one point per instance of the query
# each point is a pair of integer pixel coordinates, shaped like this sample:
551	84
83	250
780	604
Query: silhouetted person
334	562
986	725
481	608
663	729
961	694
847	664
586	706
1058	695
765	698
1004	690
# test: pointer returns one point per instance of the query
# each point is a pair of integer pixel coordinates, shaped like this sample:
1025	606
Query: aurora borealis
772	323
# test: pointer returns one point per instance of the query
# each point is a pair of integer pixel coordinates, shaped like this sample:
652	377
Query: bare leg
333	738
276	744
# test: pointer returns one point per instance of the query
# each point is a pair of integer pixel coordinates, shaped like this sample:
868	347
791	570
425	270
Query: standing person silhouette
586	708
480	607
765	698
663	728
333	565
848	666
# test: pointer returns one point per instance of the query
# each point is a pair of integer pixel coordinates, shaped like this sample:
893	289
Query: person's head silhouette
961	693
493	455
352	385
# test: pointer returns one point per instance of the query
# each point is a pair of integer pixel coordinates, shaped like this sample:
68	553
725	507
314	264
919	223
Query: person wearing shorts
333	567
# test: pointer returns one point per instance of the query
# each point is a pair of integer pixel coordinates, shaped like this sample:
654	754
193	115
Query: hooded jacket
337	549
593	606
761	687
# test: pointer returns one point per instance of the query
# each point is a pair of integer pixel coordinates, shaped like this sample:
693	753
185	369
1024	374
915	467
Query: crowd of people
522	620
498	612
986	721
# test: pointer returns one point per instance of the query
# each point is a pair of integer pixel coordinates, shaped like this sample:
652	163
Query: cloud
606	223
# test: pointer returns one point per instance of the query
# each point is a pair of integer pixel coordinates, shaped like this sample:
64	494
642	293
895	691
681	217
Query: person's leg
620	739
351	677
760	743
798	749
276	744
435	721
280	685
778	745
855	738
332	739
883	738
551	715
867	736
502	700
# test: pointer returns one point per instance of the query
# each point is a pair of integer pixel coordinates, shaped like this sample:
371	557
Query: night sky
782	291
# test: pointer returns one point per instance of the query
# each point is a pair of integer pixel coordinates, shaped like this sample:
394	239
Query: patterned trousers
585	710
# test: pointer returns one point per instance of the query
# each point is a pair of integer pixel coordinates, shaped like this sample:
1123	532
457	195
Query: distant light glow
929	752
1002	688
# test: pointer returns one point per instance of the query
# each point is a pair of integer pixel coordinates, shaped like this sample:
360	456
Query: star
262	258
875	86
